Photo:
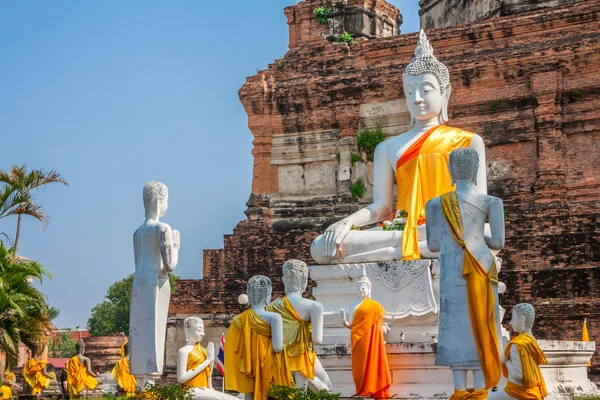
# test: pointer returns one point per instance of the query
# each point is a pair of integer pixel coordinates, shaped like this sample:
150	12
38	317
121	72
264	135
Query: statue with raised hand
370	368
195	363
417	161
156	251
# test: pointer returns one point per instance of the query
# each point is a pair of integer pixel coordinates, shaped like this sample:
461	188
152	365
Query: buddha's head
523	316
194	329
259	290
426	84
295	276
464	163
364	287
156	198
80	347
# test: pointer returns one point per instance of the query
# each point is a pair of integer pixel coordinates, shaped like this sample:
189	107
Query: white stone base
415	375
407	290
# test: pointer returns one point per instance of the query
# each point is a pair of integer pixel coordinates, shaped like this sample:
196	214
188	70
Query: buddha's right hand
334	235
210	351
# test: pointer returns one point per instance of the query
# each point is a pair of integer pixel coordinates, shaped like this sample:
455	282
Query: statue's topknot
425	61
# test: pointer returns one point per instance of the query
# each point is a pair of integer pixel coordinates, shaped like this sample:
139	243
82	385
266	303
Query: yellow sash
297	338
196	357
422	174
534	387
124	379
33	373
250	362
78	377
480	296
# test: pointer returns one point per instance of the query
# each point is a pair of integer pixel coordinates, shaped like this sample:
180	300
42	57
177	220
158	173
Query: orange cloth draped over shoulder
196	357
297	338
534	386
78	377
480	296
33	373
370	368
250	362
422	174
124	379
5	390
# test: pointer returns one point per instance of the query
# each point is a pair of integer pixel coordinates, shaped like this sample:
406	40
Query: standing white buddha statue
156	250
469	326
417	161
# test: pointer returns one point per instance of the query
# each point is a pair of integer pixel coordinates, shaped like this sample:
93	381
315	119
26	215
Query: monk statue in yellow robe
125	380
194	363
36	376
370	368
523	359
469	325
302	328
417	161
79	372
7	383
254	356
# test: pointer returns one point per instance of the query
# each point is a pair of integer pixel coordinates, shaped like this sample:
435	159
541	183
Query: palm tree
24	313
16	197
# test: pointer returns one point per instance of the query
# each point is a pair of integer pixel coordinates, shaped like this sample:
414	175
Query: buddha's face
517	322
163	206
424	97
364	290
196	332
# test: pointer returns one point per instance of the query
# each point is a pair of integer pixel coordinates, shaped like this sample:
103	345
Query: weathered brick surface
254	248
529	84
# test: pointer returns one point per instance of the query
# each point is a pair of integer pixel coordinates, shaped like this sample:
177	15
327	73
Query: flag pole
223	387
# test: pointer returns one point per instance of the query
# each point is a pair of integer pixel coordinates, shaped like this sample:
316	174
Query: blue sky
113	94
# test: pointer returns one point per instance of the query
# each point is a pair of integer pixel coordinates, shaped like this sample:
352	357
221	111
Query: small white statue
195	363
303	320
370	368
523	358
254	355
156	250
417	162
469	276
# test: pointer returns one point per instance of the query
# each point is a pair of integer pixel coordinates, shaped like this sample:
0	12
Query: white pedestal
407	290
415	375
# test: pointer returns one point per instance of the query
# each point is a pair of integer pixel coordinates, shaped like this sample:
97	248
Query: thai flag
221	356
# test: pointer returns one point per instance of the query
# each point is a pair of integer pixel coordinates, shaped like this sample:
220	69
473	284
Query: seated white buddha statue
194	363
417	161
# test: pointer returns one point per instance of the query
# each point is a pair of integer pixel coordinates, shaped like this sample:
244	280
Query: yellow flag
585	337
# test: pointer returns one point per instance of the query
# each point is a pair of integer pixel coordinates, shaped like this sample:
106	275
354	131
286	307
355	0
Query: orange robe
370	368
78	377
196	357
123	378
250	362
422	174
33	373
534	387
297	337
5	390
